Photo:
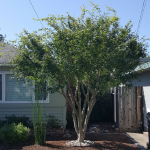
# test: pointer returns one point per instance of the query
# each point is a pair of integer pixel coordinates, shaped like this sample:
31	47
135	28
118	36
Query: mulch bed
58	142
102	142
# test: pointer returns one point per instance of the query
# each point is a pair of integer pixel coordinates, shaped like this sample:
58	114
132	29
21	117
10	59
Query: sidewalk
139	138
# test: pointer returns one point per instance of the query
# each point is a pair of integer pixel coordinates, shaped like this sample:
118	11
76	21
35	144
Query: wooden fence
130	108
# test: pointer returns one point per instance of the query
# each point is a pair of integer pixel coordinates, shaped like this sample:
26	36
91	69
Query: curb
135	142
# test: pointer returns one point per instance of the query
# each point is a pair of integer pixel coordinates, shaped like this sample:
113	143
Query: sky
17	15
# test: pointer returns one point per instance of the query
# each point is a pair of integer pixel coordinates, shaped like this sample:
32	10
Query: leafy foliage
95	51
14	119
12	133
80	48
53	122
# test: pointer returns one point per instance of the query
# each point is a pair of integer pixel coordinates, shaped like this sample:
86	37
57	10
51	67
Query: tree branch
76	95
72	106
70	92
89	110
82	88
83	111
75	122
79	108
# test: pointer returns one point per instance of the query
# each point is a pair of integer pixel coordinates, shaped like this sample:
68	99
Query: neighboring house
17	99
144	76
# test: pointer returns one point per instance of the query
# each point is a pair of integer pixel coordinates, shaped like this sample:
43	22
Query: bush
53	122
13	119
12	133
2	123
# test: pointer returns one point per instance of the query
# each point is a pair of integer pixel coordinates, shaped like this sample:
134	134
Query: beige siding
18	110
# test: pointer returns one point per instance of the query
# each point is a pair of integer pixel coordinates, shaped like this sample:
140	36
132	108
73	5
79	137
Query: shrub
2	123
14	119
12	133
53	122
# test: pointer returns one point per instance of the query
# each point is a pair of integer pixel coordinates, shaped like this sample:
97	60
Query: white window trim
3	73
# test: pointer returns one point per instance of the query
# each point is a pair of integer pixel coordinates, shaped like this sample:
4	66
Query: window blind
16	91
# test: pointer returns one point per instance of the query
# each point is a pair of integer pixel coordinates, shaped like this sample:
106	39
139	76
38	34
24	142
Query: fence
129	108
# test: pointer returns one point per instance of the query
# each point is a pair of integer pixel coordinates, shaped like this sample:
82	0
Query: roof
145	67
8	53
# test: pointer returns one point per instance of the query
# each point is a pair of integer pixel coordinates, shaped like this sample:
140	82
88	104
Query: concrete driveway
139	138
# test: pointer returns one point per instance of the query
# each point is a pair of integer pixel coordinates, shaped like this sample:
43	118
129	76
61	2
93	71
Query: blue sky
18	14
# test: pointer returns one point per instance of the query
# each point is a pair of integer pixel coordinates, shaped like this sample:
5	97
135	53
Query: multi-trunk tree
93	51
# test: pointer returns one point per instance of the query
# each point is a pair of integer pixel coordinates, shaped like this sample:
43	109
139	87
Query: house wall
145	77
55	107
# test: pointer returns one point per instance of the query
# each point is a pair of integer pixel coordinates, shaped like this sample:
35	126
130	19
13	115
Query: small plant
53	121
12	133
39	126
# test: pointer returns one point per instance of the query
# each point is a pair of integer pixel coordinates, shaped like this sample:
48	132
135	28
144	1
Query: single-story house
17	99
144	76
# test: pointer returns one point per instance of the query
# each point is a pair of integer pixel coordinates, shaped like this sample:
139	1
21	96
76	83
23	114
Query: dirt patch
102	142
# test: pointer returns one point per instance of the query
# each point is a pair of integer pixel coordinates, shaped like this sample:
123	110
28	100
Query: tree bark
80	136
80	124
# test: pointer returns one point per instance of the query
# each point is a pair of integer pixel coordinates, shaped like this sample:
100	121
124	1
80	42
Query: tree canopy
94	51
81	48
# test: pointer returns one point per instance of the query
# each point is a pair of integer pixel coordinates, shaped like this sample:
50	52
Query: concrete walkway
140	139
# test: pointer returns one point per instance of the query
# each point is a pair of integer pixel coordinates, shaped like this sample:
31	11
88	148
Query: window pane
0	87
17	91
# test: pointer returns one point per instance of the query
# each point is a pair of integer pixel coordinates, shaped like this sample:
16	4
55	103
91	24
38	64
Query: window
13	92
16	91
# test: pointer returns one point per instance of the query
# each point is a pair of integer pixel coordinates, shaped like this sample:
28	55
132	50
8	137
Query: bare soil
111	141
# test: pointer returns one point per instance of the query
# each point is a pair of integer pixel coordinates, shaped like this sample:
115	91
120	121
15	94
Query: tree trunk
80	123
81	136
